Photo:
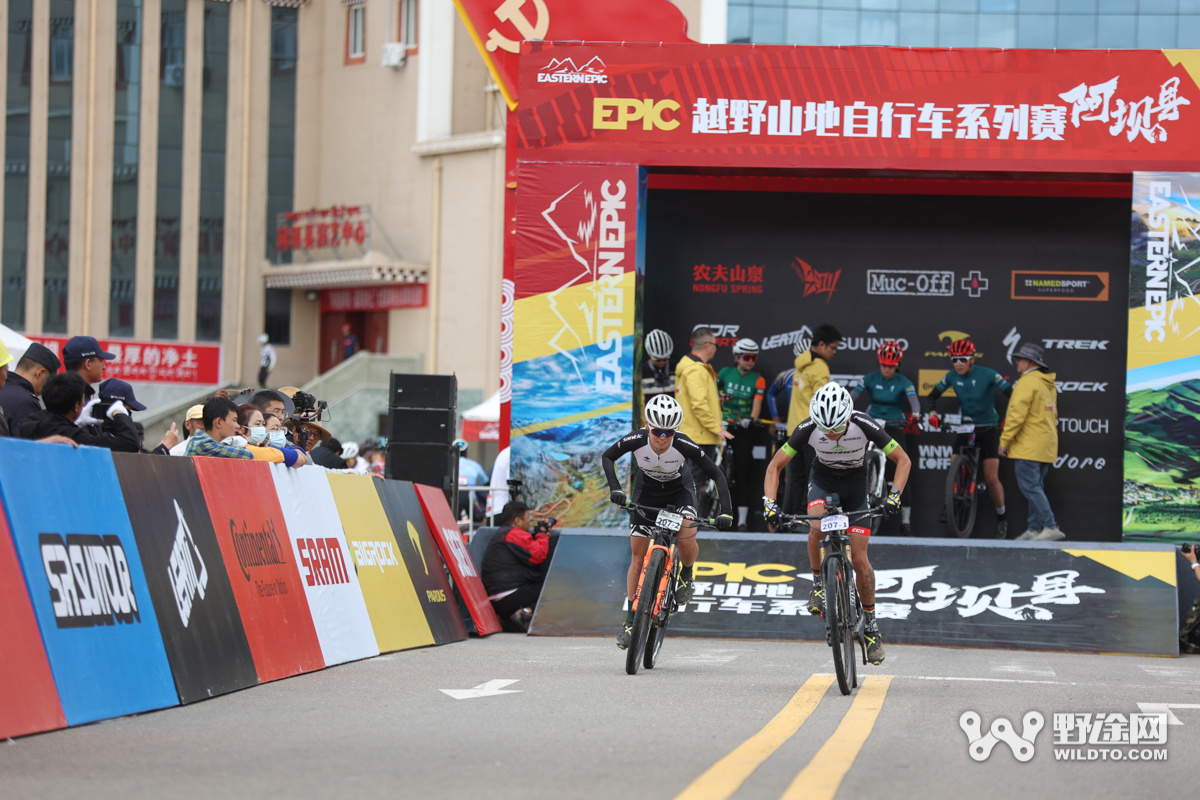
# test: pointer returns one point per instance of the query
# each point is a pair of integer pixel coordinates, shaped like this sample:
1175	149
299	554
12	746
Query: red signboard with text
155	362
373	298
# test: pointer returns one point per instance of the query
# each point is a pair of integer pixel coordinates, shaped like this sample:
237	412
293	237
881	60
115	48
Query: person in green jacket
1030	438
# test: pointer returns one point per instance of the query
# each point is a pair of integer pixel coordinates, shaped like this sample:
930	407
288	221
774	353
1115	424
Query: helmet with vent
831	407
664	411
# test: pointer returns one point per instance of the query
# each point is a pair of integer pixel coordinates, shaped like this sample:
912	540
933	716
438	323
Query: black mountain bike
843	615
963	486
654	602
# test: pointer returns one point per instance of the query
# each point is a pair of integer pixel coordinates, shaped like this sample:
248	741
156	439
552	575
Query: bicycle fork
669	553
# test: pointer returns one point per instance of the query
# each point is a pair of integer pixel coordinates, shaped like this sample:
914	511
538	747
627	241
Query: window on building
169	192
277	316
408	23
281	138
126	119
356	34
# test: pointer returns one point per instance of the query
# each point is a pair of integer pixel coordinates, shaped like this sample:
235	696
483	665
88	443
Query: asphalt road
576	726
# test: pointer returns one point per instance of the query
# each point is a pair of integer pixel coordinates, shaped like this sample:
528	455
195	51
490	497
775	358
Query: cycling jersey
781	386
664	467
976	393
741	389
657	381
848	452
891	398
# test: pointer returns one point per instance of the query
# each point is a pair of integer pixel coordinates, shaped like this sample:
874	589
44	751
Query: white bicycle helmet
801	346
742	346
659	344
664	411
831	407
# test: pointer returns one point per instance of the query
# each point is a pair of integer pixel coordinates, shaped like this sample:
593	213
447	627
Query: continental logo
259	548
615	113
90	583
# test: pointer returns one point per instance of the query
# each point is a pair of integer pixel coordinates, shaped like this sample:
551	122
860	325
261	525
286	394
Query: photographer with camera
514	566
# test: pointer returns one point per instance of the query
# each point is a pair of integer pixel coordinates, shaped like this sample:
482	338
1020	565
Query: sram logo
564	71
322	561
89	579
615	113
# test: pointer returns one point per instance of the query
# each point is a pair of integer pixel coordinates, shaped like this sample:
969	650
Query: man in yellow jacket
696	391
1030	438
811	373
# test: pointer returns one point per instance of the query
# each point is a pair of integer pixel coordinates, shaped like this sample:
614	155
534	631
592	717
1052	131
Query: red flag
499	26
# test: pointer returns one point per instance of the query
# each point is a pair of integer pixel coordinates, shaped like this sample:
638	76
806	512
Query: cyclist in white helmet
838	436
742	392
658	378
661	453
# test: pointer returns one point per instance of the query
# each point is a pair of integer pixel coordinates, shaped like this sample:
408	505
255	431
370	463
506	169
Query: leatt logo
186	583
564	71
256	548
816	282
322	561
89	579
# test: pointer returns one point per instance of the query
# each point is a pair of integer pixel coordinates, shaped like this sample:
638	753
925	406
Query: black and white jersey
667	467
850	449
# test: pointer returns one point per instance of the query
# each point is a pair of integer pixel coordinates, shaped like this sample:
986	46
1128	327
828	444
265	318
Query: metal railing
470	521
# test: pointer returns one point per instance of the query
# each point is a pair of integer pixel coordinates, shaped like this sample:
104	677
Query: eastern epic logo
563	70
186	583
90	583
817	282
256	548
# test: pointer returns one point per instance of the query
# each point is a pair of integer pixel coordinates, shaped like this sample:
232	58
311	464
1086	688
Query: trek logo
1075	344
256	548
564	71
322	561
981	744
935	456
375	554
181	569
1080	386
90	583
510	11
461	557
817	282
911	282
615	113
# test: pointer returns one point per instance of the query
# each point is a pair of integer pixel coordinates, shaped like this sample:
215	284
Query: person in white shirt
266	359
498	499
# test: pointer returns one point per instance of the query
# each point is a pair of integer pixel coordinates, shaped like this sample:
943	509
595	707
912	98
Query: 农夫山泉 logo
322	562
186	582
563	70
615	113
90	582
817	282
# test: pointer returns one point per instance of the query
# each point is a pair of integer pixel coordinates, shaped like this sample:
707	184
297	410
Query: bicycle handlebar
869	513
707	523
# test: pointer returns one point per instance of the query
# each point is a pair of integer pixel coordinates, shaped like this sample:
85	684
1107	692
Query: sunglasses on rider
839	429
666	434
750	358
960	359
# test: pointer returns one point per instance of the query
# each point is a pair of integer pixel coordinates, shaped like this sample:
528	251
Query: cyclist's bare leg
991	476
686	546
639	545
864	576
814	537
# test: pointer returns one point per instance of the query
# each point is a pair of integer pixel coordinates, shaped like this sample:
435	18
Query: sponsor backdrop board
254	542
84	575
1162	422
397	616
924	270
458	559
420	554
576	252
193	599
1035	596
28	700
327	571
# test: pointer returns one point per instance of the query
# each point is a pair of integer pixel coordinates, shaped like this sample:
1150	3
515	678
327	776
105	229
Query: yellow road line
823	775
724	778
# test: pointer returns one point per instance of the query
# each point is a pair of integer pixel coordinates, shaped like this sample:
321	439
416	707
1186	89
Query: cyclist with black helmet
891	397
838	436
658	378
742	390
975	388
661	454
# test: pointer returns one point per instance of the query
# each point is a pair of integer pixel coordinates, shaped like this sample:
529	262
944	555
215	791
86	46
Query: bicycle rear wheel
658	631
962	499
644	615
835	579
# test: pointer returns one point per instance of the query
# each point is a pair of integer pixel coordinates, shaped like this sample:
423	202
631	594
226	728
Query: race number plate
967	428
834	522
668	521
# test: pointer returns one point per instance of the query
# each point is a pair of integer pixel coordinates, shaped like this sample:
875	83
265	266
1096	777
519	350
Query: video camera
545	525
308	409
1190	548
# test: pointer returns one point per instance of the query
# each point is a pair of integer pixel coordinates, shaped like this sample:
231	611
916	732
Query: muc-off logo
322	561
981	744
564	71
256	548
90	583
186	582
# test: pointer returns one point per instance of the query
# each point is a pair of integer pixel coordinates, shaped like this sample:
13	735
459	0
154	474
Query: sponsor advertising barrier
326	567
28	699
256	548
84	574
397	615
458	560
197	613
420	554
1027	596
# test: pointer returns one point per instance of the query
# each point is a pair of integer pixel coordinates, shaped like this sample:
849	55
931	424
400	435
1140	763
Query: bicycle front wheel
835	586
643	618
658	631
962	499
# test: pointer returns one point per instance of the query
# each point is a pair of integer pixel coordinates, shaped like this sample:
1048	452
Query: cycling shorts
850	488
657	494
986	439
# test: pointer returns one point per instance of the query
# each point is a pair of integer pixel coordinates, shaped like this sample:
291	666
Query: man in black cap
19	395
83	355
115	390
64	399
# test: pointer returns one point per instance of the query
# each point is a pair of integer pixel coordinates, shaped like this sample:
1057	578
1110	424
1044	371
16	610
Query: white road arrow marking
488	689
1152	708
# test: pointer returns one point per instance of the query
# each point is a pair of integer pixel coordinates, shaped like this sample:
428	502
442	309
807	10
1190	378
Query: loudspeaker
434	465
423	391
421	425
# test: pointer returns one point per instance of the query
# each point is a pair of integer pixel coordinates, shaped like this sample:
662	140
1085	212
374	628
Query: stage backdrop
1162	423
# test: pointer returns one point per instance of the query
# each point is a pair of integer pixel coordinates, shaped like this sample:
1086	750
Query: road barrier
133	582
1104	598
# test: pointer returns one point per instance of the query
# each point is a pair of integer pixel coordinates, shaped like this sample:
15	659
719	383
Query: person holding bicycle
742	390
662	454
838	436
975	388
658	378
892	398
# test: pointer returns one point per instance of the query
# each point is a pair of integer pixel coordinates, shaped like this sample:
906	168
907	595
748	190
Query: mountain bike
709	499
843	614
876	464
654	601
963	486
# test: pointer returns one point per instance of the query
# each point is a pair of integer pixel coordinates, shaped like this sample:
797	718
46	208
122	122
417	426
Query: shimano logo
565	71
375	554
256	548
90	583
186	584
1075	344
322	561
1080	386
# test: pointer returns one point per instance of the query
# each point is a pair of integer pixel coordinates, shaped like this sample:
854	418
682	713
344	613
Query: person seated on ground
514	568
64	396
329	454
19	393
112	390
217	438
193	421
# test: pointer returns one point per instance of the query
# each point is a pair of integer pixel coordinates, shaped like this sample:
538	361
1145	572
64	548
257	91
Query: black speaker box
421	425
423	391
430	464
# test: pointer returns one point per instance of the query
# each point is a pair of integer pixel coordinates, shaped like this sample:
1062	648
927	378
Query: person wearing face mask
221	436
253	431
